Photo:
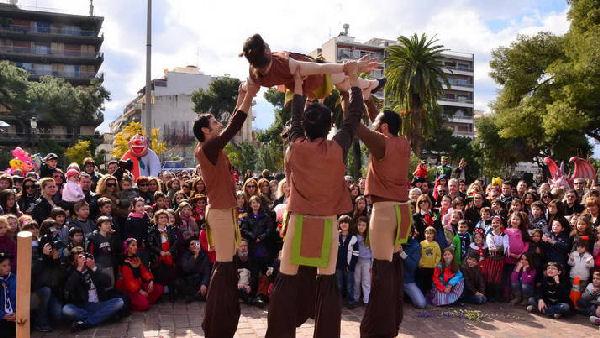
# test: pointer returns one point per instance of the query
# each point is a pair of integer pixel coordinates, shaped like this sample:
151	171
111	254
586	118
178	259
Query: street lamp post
34	124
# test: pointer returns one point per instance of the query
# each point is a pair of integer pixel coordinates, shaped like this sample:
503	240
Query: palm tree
415	80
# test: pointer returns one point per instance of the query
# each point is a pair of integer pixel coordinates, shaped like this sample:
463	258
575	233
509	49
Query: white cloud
210	33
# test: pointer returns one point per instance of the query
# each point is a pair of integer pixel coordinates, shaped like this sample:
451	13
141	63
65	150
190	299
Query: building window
42	26
42	48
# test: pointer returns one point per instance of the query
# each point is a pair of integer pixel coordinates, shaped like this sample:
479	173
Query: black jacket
154	246
553	293
48	272
197	268
257	230
77	290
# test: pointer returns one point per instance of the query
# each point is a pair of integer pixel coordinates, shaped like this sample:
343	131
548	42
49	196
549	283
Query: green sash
311	245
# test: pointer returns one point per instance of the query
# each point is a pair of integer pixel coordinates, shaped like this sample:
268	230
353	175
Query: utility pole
148	90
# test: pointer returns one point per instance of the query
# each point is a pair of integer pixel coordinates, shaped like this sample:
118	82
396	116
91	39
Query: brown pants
290	268
222	231
382	230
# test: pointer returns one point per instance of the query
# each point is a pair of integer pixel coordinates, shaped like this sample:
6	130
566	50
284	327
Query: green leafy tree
415	82
218	99
13	85
77	152
243	156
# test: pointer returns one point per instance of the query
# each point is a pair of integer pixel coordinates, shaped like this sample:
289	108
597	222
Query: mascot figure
145	161
21	163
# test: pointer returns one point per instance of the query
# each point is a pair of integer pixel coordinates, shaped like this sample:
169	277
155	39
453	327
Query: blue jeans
525	290
345	281
416	296
474	299
93	314
560	308
49	307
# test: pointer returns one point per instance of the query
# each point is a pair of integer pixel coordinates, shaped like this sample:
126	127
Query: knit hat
72	173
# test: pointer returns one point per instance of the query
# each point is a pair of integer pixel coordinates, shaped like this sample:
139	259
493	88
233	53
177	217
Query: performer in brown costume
270	69
387	185
222	310
315	172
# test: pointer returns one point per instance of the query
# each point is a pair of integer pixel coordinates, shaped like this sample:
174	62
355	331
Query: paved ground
491	320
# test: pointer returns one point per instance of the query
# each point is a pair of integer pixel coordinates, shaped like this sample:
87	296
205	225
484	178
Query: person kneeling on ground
85	290
447	280
136	280
552	298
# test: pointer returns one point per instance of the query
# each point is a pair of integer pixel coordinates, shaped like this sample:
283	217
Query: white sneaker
595	320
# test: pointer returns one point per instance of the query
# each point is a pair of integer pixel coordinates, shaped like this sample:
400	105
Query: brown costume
387	185
315	172
222	304
279	74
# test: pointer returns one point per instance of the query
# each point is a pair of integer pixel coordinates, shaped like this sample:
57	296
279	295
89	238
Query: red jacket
441	279
134	275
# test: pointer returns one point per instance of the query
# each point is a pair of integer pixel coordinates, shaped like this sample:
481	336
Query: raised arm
213	146
374	141
298	102
356	108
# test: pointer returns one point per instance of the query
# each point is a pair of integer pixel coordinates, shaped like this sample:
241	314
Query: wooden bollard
23	283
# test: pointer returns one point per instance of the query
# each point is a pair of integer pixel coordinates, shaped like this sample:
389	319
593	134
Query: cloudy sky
209	33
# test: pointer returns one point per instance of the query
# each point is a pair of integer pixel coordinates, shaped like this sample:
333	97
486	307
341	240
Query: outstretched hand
366	64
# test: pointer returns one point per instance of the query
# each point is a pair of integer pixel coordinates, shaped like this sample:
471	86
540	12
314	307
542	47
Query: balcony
458	99
46	55
65	34
71	76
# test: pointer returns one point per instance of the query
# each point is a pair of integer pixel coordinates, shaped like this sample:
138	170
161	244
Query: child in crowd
411	253
474	289
589	303
105	207
136	226
162	248
362	271
347	259
447	280
186	222
430	257
497	243
102	245
72	190
485	222
8	297
60	217
552	298
522	280
581	261
82	218
127	192
136	281
461	241
538	217
582	231
556	243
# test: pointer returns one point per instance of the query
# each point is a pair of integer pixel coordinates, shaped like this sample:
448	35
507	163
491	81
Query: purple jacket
523	277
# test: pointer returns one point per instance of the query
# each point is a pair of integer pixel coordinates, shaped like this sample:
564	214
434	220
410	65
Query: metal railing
462	100
464	69
63	74
460	84
48	52
52	30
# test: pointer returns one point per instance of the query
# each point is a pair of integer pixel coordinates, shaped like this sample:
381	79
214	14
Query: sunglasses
112	185
142	185
251	186
28	186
